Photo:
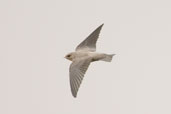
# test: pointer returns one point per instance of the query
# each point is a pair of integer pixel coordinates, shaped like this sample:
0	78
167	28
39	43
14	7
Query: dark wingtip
101	24
75	96
100	27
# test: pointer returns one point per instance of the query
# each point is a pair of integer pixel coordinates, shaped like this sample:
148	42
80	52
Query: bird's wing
89	44
77	71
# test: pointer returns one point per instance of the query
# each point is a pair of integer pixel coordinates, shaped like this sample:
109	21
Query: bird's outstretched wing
89	44
77	71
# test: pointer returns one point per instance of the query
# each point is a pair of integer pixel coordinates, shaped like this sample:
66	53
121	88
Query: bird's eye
68	55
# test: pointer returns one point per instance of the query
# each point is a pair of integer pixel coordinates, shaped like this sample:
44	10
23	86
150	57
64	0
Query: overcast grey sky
35	35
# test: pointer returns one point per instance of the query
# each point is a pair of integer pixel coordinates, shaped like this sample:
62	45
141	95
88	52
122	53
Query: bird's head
69	56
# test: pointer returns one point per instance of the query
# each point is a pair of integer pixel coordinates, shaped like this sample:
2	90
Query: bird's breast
80	54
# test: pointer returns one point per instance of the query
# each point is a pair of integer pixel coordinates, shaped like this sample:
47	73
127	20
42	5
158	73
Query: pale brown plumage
82	57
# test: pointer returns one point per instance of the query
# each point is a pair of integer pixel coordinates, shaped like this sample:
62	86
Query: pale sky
35	35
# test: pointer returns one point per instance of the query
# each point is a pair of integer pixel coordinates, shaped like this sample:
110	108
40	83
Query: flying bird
84	54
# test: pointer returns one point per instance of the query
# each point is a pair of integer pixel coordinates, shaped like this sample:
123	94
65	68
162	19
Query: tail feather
108	57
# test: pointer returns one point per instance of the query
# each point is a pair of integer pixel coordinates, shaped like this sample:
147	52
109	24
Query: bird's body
94	56
85	54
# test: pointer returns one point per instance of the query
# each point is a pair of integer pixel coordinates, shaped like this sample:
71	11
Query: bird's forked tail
108	57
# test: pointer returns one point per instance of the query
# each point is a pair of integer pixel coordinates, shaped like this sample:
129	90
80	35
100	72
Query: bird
85	53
